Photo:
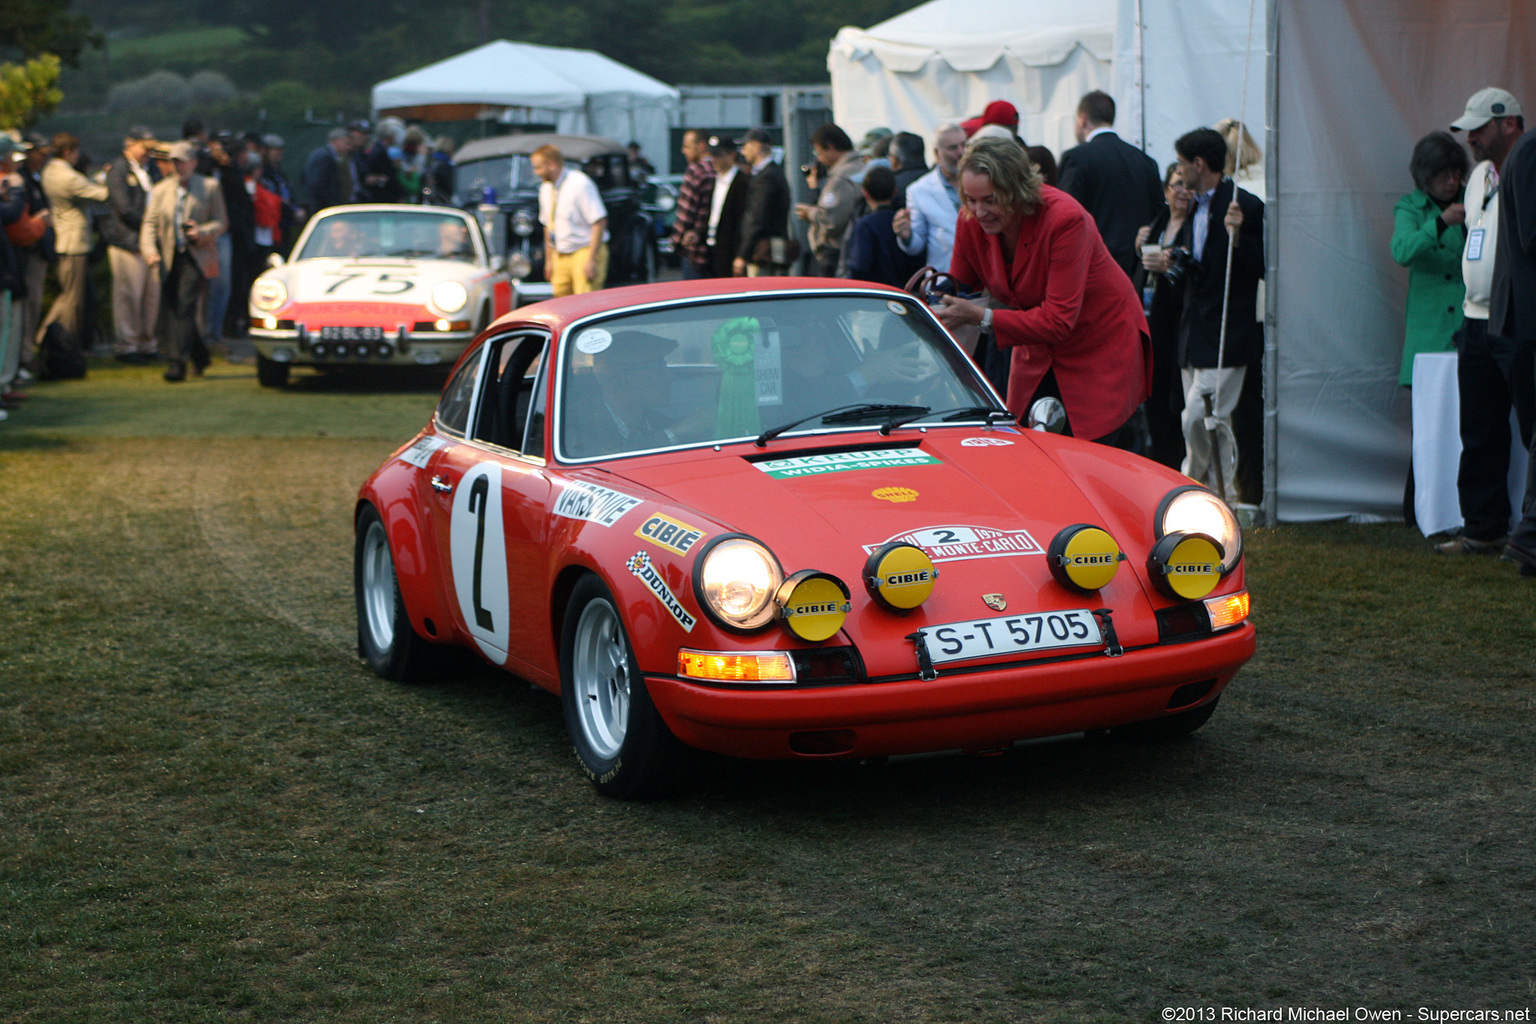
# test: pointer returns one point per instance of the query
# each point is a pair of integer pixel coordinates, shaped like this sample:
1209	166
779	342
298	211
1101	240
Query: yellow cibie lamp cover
900	576
814	604
1084	558
1186	565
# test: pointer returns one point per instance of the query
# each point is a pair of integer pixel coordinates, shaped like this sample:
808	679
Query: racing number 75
479	493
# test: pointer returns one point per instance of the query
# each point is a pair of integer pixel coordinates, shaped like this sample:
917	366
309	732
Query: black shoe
1522	556
177	371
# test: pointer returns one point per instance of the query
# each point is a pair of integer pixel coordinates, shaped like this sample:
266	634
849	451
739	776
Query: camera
1180	263
806	169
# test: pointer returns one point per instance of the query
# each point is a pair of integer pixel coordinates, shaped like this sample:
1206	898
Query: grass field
210	810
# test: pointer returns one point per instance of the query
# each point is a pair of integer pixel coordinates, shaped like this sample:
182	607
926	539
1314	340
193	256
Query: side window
509	392
453	407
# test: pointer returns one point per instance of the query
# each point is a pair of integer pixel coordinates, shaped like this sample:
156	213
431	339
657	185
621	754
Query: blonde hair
1016	181
1242	151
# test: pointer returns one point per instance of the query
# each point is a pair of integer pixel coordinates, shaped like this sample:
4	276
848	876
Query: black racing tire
385	637
1170	728
620	741
271	373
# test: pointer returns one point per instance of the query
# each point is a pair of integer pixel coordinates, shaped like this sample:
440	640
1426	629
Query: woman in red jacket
1063	306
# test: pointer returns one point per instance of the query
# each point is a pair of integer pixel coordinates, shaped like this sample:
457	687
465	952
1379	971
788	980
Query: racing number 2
478	493
478	552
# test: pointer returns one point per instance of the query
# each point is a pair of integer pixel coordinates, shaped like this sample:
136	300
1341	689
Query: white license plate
351	334
1011	634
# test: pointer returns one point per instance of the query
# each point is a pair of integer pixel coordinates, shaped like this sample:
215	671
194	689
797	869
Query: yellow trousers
566	275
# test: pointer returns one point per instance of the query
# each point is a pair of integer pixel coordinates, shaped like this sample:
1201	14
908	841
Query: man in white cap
184	218
1493	372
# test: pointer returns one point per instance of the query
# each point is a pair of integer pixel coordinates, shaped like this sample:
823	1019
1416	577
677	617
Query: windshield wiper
841	414
947	416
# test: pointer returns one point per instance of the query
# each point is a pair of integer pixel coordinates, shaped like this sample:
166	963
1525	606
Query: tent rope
1242	122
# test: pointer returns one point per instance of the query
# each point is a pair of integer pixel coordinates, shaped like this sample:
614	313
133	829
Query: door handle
441	486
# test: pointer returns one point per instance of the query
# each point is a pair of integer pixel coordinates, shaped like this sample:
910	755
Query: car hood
984	504
390	282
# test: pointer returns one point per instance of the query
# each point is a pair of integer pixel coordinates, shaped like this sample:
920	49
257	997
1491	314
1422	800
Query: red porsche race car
787	518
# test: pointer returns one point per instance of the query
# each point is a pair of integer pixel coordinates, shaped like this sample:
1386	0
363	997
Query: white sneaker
4	415
23	377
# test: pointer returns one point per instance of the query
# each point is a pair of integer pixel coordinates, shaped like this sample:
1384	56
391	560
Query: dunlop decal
640	565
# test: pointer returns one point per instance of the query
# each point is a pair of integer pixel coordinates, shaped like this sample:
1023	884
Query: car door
489	494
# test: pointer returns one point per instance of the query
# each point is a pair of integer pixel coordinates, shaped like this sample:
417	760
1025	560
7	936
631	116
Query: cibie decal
954	543
896	494
843	462
640	565
478	551
670	533
593	503
985	442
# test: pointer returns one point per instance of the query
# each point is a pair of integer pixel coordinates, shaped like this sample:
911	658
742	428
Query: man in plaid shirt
690	223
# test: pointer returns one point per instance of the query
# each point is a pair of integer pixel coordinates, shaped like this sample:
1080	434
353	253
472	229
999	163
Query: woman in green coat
1428	236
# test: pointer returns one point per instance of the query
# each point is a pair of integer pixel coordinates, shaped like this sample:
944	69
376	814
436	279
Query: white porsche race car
382	284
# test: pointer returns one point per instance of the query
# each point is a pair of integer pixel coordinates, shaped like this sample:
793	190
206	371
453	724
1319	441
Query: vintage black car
497	173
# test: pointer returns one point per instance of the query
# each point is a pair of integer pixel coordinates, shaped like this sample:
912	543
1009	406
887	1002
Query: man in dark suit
765	221
328	172
1512	309
727	204
1221	226
1116	182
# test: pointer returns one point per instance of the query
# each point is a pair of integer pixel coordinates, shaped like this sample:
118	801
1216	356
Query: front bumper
398	346
979	709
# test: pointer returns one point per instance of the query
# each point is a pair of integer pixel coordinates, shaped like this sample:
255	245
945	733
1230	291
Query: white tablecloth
1437	446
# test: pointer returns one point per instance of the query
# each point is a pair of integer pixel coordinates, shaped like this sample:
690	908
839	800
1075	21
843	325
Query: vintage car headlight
1195	510
268	293
735	580
449	296
523	223
519	266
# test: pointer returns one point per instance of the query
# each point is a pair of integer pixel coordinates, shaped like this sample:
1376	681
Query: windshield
504	175
390	234
711	372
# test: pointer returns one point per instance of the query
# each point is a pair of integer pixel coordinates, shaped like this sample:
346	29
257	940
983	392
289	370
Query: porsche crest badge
995	601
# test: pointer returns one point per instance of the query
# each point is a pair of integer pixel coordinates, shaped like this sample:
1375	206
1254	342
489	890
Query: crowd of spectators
64	213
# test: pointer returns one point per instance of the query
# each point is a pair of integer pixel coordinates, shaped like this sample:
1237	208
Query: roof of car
572	147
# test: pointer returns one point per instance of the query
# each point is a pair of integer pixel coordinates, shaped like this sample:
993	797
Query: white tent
1342	91
947	59
579	91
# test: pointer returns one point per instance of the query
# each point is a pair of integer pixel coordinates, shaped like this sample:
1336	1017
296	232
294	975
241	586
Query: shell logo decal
896	494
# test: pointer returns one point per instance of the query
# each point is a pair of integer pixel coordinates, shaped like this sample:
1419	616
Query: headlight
449	296
523	223
268	293
1197	510
519	266
735	581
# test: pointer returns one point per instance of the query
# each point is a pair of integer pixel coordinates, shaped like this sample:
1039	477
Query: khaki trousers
135	301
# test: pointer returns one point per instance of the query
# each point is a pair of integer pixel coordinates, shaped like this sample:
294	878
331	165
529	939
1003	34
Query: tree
31	28
27	91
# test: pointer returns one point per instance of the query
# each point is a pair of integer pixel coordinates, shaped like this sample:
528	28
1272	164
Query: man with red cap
998	112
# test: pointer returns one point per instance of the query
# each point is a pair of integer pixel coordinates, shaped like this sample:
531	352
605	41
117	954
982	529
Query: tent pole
1141	74
1271	262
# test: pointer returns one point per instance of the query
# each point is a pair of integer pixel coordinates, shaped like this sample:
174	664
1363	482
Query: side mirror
1048	415
274	260
498	262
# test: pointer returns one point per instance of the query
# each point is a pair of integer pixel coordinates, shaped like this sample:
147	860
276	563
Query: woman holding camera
1069	316
1163	300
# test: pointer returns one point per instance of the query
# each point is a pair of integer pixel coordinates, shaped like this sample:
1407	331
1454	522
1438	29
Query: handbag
780	252
27	229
